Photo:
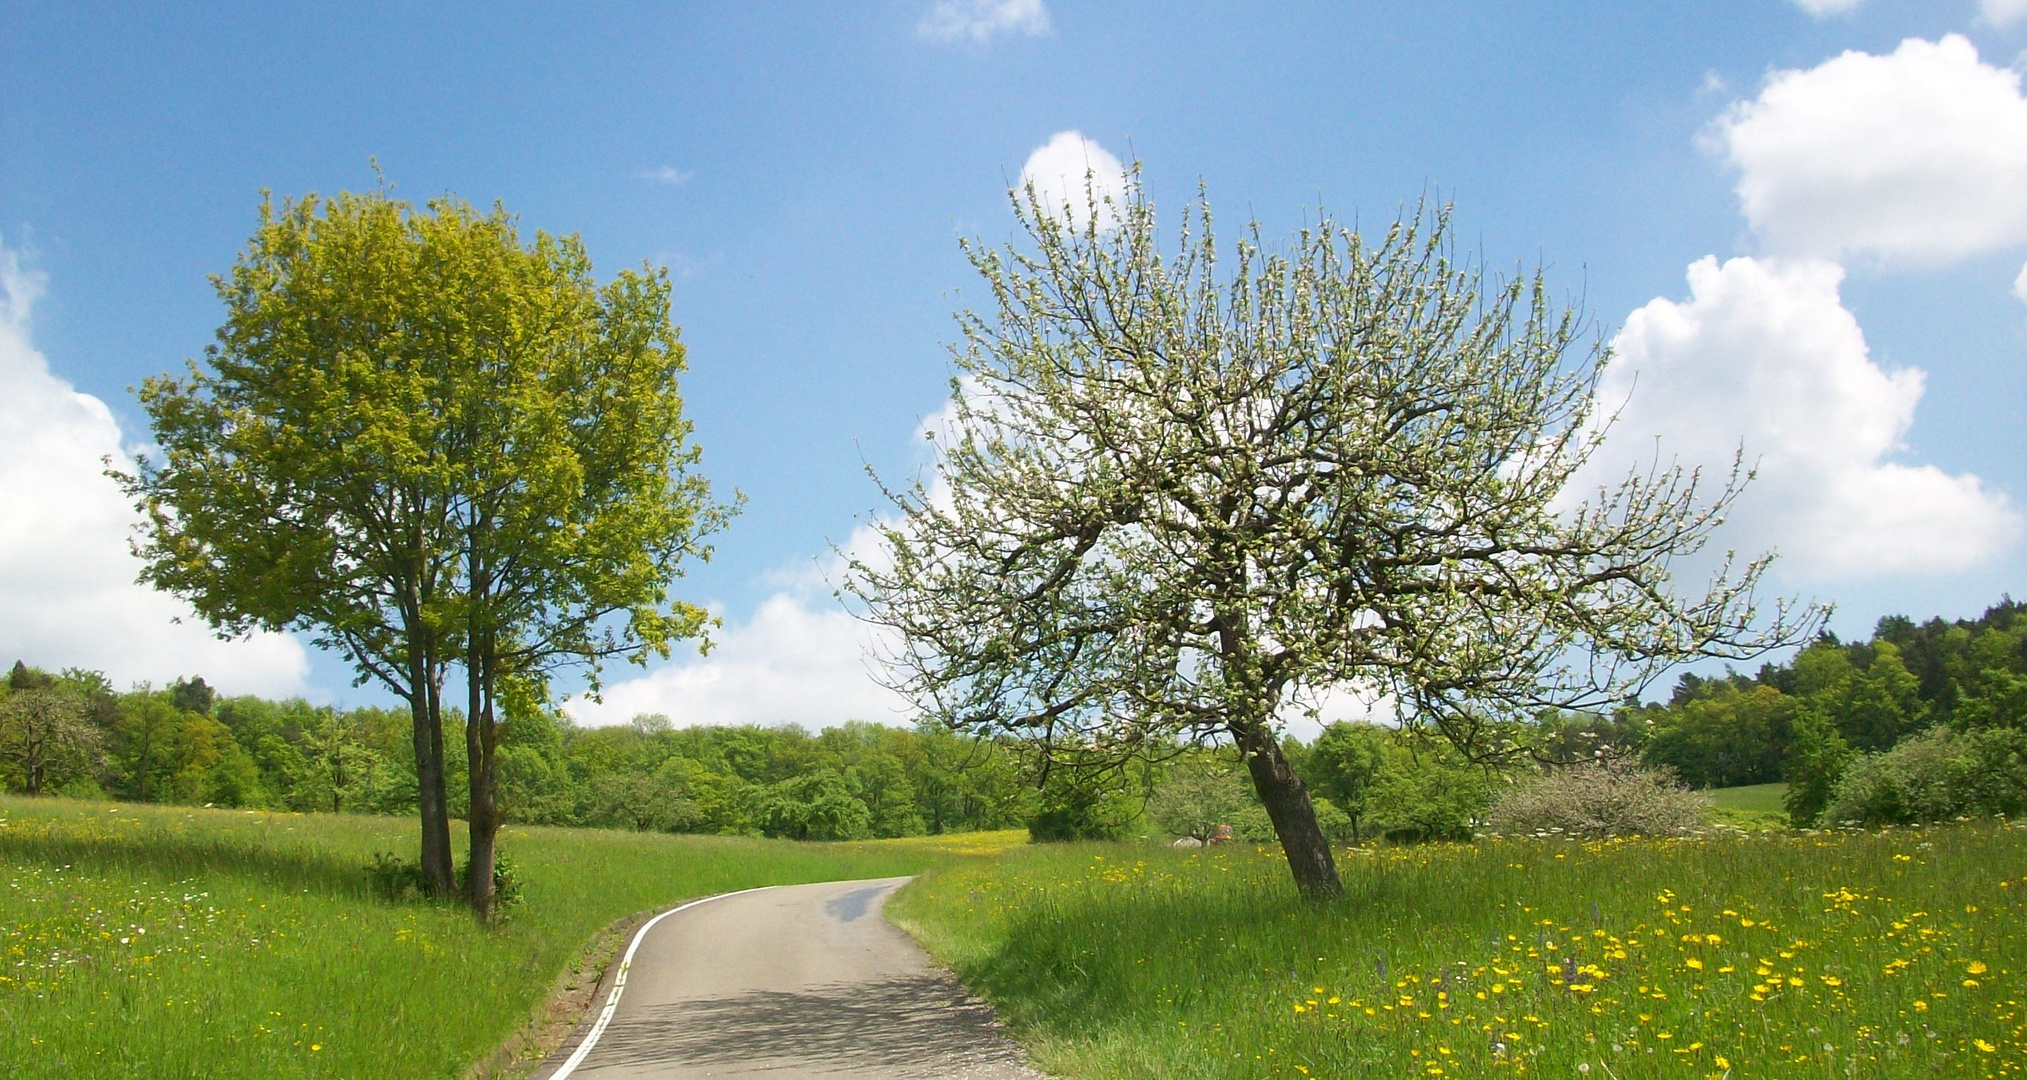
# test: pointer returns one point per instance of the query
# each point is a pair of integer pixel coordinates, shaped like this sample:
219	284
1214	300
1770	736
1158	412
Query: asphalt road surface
797	981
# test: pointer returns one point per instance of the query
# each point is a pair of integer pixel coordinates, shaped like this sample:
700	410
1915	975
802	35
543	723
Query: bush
1595	800
1433	794
814	806
1937	775
1081	808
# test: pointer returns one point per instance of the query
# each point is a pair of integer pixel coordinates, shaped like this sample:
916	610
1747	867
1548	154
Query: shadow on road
912	1025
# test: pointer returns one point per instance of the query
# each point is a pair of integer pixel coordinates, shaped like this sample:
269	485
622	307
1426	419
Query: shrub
1937	775
814	806
1432	794
1595	800
1081	808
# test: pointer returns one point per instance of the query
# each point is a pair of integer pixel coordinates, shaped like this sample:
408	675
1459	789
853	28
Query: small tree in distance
1182	497
1195	797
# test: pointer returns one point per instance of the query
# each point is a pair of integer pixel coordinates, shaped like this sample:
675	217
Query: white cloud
666	174
1070	170
68	597
2001	12
1824	8
2020	285
1765	354
1919	156
980	20
797	660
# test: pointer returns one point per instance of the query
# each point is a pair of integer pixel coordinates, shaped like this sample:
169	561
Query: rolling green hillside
172	942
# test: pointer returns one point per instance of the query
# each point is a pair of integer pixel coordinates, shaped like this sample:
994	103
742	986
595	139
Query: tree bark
426	710
483	821
1286	798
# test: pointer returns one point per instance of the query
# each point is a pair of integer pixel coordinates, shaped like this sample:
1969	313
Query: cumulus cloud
1824	8
798	660
1069	172
1764	354
1918	156
68	597
981	20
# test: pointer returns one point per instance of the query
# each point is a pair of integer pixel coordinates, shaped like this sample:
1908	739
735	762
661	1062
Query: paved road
799	981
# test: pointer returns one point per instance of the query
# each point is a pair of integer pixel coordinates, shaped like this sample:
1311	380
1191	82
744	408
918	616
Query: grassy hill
167	941
1752	798
1893	954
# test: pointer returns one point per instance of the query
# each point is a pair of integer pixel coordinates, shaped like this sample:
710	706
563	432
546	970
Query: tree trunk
1286	798
484	819
426	709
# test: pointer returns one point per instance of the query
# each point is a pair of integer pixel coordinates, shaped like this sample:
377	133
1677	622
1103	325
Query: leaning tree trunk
1286	798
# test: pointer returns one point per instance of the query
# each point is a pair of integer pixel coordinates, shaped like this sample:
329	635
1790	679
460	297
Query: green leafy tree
428	445
1196	795
816	806
1183	496
1817	755
1723	736
1345	764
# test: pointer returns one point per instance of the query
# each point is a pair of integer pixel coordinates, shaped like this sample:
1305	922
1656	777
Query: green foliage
1199	793
644	776
816	806
1094	806
1344	765
1428	791
1871	695
1817	754
1937	775
1724	733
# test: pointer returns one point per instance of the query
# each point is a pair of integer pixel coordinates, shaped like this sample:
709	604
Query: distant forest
1805	720
1748	729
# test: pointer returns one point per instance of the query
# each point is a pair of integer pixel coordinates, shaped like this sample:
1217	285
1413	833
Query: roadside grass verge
177	942
1892	954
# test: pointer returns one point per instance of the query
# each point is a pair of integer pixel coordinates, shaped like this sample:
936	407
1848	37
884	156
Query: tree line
1808	720
71	733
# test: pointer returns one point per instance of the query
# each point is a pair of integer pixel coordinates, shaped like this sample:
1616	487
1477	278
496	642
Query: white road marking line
619	981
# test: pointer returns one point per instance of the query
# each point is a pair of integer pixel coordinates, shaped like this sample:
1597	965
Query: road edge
611	986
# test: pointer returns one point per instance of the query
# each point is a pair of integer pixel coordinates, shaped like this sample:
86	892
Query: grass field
1896	954
140	941
1759	798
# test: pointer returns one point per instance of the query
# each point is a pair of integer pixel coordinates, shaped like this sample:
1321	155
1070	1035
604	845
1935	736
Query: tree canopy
427	444
1185	495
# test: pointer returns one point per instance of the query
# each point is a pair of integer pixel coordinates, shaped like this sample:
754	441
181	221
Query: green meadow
1893	954
153	941
173	942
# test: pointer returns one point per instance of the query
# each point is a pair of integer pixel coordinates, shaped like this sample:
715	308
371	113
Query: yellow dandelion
1977	967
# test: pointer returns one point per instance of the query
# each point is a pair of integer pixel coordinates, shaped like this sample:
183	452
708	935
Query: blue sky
805	171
